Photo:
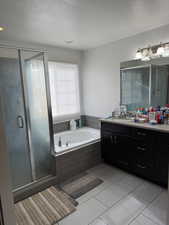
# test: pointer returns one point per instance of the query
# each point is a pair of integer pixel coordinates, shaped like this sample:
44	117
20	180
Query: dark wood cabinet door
140	151
106	146
122	149
116	149
162	159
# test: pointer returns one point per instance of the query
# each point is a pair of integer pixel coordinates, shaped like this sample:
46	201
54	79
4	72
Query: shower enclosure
24	87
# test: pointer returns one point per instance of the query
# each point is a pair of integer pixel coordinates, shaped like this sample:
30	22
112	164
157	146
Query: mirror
144	84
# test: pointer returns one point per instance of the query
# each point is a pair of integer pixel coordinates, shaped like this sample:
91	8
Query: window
64	86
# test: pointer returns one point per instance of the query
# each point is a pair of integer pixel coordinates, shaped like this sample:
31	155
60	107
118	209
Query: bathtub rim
90	142
76	148
55	154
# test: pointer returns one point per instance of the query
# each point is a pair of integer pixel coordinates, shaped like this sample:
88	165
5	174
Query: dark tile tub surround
87	121
78	161
91	121
60	127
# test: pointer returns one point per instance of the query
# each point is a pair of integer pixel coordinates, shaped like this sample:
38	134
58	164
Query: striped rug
44	208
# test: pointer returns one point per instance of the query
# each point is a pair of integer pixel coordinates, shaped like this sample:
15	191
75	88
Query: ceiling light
138	54
1	28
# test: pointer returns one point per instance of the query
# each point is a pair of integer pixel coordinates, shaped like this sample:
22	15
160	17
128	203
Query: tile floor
122	199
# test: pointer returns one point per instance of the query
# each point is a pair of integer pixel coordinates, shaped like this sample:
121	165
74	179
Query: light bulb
1	28
160	51
138	54
166	50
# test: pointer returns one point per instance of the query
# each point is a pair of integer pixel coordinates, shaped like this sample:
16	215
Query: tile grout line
107	208
129	193
141	213
96	193
150	219
91	196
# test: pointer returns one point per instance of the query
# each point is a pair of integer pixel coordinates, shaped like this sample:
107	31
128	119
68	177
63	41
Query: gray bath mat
44	208
80	185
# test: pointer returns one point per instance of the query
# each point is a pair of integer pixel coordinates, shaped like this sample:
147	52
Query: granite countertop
157	127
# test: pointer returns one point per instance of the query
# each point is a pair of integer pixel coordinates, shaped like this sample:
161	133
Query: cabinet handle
141	167
115	139
111	138
141	148
20	122
141	134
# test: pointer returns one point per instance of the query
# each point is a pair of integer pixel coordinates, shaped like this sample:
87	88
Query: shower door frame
42	53
27	111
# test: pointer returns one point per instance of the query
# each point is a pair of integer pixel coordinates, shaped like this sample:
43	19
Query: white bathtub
75	139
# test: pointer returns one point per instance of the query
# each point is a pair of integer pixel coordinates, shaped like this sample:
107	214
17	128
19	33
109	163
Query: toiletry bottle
72	125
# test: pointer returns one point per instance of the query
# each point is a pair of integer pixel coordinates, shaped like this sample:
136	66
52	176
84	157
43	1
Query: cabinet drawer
142	134
141	148
115	128
144	169
143	153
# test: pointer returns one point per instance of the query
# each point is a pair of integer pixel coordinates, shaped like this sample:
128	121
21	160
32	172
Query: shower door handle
20	122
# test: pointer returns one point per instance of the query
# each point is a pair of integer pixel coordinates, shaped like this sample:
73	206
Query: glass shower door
34	69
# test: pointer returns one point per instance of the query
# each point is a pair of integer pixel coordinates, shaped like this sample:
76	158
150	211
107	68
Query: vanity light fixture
146	54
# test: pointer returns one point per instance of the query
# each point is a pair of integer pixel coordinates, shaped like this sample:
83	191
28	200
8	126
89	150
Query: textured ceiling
89	23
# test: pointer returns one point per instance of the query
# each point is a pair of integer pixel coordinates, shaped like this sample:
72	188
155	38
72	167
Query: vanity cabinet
117	145
140	151
162	150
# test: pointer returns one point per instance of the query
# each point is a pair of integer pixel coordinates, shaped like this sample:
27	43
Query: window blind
64	87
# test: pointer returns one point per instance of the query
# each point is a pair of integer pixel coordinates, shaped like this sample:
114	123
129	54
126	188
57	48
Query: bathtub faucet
60	142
